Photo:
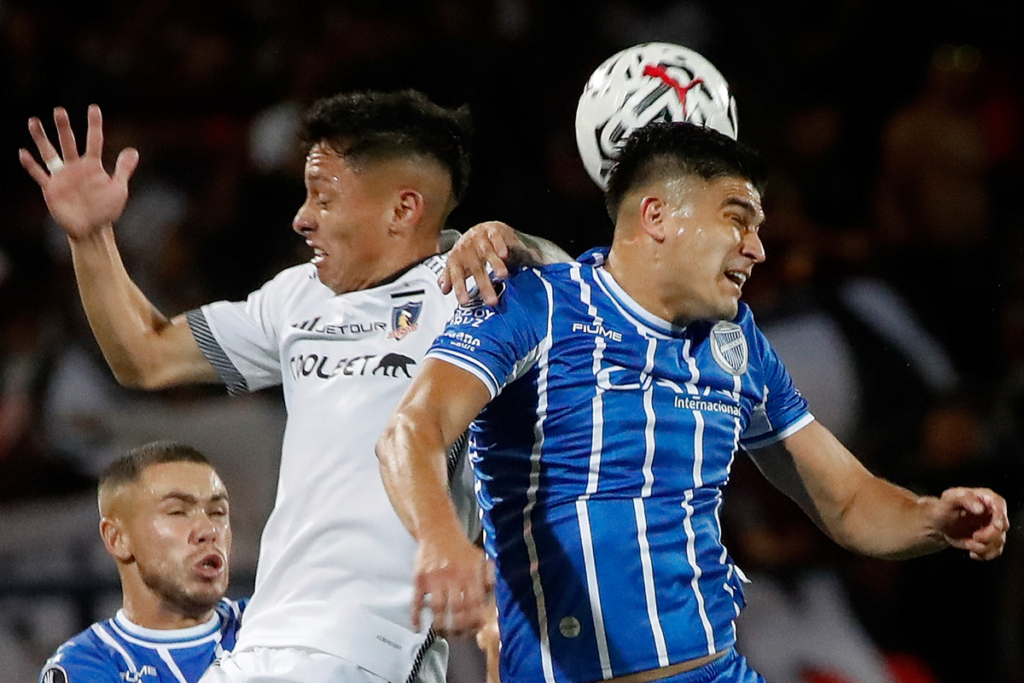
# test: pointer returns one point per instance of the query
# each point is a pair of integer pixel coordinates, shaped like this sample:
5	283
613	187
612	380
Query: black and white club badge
729	347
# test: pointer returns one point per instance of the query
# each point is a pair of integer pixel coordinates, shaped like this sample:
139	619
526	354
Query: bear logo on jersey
392	363
729	347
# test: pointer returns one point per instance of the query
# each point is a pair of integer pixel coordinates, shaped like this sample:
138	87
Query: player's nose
305	220
205	530
752	247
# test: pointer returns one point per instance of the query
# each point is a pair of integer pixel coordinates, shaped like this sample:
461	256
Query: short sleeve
240	339
498	344
71	664
783	410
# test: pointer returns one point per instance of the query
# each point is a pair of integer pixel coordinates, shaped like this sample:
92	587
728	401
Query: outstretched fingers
94	133
47	152
29	163
124	167
68	147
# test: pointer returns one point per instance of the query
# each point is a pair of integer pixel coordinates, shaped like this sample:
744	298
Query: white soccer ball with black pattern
645	83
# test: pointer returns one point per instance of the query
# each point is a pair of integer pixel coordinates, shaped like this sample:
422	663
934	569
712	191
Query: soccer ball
645	83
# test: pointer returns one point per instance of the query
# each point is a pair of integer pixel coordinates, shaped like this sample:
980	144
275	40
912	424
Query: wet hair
373	126
129	467
662	150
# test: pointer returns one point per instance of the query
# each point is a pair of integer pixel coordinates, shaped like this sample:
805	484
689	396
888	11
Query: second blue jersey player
613	395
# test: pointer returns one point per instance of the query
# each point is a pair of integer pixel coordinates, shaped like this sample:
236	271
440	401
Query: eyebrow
189	498
743	203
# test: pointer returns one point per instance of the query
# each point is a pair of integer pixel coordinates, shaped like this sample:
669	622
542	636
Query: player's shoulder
421	278
85	658
523	286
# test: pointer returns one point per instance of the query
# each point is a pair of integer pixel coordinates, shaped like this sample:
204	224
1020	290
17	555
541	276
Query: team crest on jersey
729	347
404	319
54	674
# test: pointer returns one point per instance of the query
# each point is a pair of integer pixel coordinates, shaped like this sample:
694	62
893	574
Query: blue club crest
729	347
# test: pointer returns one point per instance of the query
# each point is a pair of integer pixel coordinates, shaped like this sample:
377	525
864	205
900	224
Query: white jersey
335	563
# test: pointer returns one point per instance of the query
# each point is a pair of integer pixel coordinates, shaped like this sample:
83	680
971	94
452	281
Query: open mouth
209	566
737	277
318	256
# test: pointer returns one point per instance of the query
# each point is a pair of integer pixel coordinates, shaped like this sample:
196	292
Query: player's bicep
185	362
813	468
444	398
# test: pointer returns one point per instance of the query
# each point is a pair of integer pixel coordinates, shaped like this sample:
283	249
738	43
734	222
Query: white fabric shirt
335	563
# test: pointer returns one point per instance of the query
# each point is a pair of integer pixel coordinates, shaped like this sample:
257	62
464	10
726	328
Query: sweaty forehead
739	193
322	162
194	479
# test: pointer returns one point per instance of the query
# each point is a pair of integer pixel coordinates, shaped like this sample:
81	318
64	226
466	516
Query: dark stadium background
820	87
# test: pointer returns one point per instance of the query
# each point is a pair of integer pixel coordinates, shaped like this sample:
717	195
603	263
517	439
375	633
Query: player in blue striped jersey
164	520
615	393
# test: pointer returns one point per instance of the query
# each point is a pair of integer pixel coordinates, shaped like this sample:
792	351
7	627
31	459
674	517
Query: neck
163	617
368	272
637	270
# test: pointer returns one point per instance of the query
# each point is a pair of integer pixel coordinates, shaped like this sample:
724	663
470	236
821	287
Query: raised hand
81	196
483	244
974	520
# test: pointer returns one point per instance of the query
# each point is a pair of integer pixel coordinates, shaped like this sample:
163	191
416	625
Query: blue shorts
730	668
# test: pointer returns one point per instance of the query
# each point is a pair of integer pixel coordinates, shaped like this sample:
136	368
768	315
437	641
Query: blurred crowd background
894	286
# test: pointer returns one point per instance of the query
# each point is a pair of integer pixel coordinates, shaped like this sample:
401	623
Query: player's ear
407	210
653	211
115	539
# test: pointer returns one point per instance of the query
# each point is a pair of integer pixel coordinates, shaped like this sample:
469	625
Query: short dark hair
380	125
662	149
129	467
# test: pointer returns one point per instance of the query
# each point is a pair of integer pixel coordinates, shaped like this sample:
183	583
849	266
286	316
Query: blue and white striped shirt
600	463
116	650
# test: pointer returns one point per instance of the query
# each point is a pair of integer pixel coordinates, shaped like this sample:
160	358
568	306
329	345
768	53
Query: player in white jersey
343	334
615	394
164	518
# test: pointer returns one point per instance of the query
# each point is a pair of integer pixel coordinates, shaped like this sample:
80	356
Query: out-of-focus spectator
933	205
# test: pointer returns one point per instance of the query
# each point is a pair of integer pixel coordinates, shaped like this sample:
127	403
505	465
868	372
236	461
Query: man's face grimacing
175	521
344	218
711	242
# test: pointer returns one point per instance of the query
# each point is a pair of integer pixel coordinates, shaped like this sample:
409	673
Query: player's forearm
127	327
858	510
886	521
414	471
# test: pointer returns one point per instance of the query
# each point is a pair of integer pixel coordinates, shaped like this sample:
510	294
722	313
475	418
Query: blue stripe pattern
600	463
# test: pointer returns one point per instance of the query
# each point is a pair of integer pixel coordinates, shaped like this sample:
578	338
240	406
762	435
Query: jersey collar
597	258
167	635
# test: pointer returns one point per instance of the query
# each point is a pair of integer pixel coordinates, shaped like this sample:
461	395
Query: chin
726	313
202	600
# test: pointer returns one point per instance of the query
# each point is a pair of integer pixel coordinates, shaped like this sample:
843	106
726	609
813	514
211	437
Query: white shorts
300	665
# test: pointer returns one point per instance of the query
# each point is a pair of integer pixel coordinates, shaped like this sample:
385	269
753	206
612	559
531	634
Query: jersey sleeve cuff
774	437
211	348
470	365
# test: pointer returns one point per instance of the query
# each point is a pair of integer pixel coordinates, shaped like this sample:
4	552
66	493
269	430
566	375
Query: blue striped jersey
116	650
600	462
